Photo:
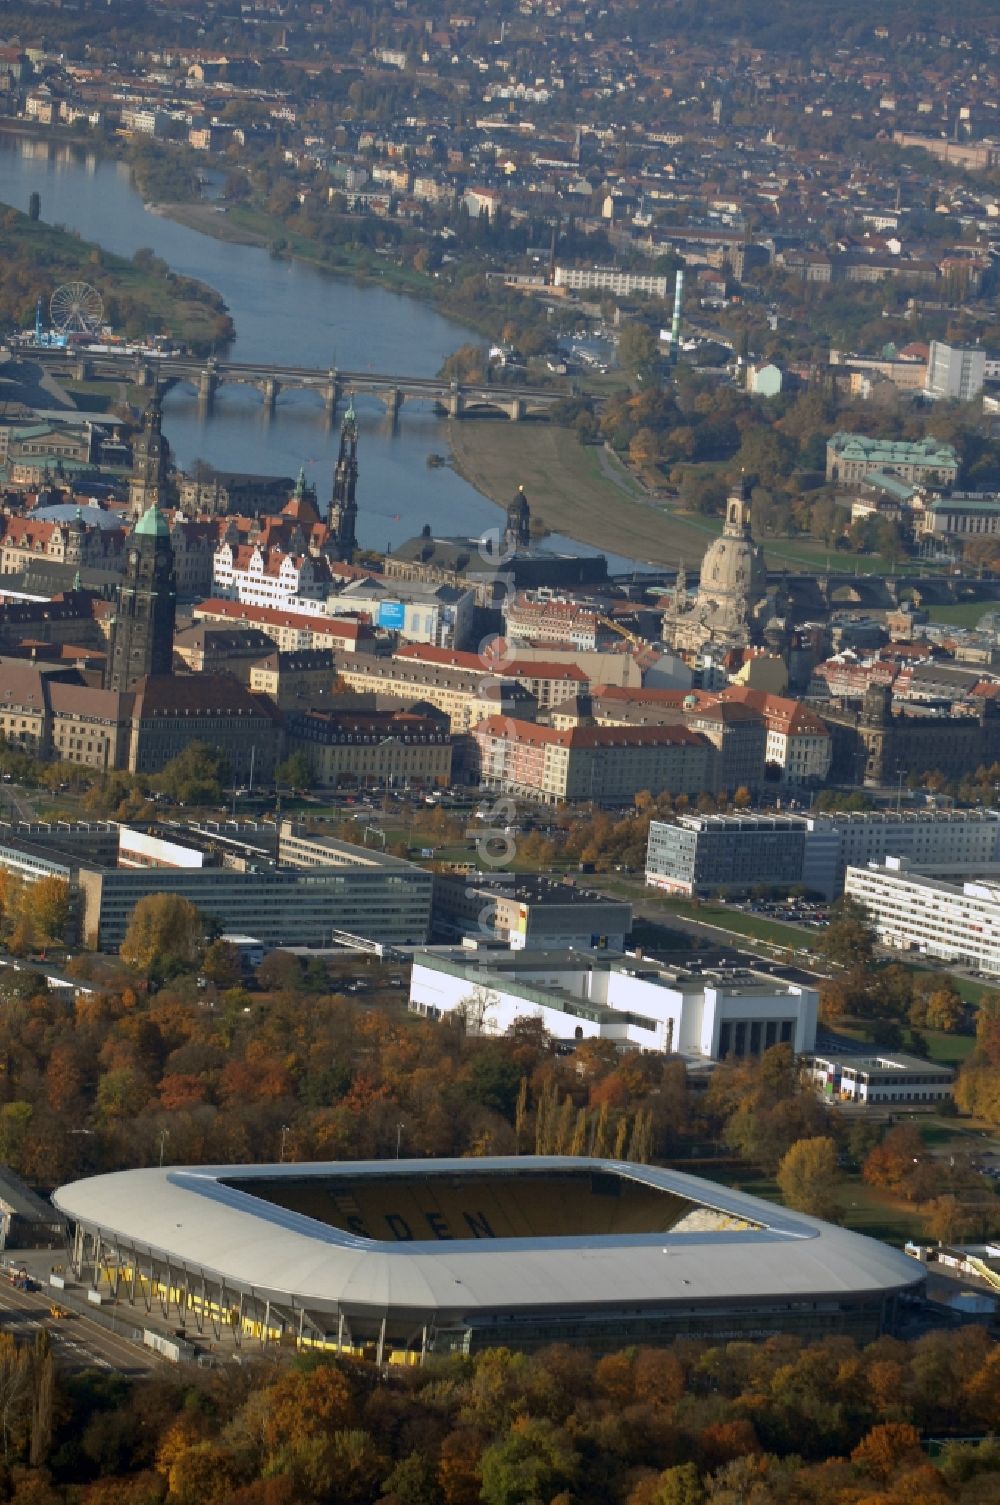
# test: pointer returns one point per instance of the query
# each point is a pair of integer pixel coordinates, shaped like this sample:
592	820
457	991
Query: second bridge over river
455	398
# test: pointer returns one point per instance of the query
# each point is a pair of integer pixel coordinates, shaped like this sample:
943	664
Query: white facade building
956	839
914	911
608	279
882	1078
258	577
955	371
636	1003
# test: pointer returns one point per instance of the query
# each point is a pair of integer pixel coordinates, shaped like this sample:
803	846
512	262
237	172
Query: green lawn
962	613
865	1209
971	990
868	1209
736	921
948	1050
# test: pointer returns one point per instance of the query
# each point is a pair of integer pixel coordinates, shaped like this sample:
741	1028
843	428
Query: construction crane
630	637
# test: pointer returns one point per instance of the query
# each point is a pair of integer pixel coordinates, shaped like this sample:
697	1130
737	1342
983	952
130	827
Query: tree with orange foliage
982	1391
720	1442
881	1452
891	1162
307	1403
458	1473
180	1090
63	1079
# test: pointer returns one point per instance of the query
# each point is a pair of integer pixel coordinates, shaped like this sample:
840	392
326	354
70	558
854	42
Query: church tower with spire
517	533
342	516
142	634
147	485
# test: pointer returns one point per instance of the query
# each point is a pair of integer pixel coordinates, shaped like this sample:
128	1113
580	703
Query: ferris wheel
76	308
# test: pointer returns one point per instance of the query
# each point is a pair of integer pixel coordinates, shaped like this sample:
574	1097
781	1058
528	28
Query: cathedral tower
342	517
147	485
517	534
142	634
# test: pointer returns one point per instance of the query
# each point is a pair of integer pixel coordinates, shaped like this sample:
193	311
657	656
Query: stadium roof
206	1218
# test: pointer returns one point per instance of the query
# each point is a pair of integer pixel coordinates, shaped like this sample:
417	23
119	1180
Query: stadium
396	1259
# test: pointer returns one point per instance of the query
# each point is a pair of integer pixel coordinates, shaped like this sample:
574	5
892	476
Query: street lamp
399	1135
285	1131
163	1137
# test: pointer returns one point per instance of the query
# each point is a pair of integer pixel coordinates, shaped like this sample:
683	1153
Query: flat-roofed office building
956	922
636	1002
301	894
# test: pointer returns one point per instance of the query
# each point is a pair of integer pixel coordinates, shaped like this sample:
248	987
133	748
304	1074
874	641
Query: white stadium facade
397	1259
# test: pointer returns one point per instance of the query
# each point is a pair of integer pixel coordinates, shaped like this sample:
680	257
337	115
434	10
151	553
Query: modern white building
955	371
882	1078
634	1002
921	912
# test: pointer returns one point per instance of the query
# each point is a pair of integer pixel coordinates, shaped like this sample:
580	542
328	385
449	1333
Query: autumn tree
848	941
46	907
680	1485
890	1163
535	1461
809	1177
222	964
196	776
165	935
638	353
885	1447
943	1010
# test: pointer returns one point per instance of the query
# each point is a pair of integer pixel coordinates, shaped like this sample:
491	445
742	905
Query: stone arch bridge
458	399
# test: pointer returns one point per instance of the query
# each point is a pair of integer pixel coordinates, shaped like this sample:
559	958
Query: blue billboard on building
391	614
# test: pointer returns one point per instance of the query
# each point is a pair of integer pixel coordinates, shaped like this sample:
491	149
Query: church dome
733	567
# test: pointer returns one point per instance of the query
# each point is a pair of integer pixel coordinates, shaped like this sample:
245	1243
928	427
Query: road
78	1342
15	802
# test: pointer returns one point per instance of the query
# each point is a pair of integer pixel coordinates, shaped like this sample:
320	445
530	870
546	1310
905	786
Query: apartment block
919	912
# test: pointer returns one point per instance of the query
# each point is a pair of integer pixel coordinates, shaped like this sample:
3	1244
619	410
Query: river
291	314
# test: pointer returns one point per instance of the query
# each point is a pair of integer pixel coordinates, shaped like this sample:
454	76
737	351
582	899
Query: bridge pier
143	374
393	402
515	410
455	404
81	371
331	394
207	383
270	389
